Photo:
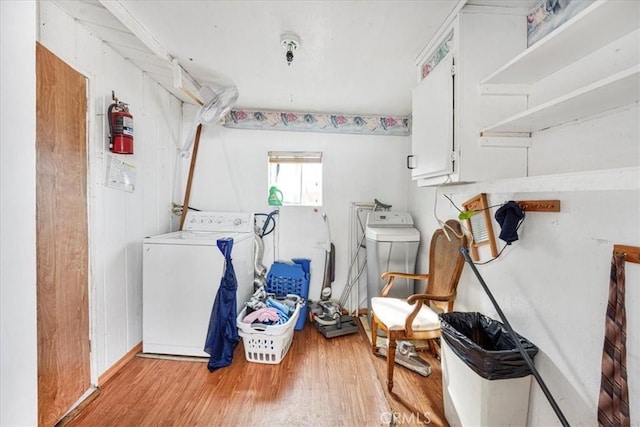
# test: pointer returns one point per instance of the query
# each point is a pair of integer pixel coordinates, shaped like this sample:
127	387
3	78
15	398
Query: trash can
485	379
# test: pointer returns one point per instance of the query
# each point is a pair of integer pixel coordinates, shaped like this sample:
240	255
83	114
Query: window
295	178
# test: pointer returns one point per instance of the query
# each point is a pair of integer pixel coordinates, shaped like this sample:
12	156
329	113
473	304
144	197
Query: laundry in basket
268	343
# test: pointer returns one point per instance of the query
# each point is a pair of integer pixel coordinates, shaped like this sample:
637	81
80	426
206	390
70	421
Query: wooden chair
416	317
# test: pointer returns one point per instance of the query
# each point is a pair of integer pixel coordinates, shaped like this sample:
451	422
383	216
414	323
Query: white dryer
181	276
392	245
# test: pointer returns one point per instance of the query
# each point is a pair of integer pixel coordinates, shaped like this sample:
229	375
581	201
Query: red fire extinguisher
120	128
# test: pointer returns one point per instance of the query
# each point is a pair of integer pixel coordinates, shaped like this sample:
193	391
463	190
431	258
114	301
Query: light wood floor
320	382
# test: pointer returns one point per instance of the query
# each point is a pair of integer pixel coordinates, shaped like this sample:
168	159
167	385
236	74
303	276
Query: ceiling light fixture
290	41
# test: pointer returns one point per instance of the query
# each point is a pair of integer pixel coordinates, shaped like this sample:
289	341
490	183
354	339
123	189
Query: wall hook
631	253
539	205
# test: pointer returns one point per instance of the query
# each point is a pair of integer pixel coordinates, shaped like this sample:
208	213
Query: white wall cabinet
610	77
432	134
448	114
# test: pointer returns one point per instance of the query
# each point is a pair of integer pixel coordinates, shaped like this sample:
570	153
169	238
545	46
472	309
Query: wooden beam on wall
631	253
539	205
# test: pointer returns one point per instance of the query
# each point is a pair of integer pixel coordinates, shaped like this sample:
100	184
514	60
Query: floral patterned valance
443	49
319	122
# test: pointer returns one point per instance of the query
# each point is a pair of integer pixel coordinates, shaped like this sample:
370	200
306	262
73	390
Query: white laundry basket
266	343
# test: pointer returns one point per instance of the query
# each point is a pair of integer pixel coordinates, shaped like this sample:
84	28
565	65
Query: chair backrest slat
446	261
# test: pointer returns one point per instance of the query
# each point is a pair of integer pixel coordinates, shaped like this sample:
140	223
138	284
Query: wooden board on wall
64	373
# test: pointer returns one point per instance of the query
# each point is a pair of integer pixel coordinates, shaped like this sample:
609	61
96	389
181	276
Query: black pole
513	334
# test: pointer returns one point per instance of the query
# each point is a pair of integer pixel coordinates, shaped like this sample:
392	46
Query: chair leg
374	333
433	348
391	360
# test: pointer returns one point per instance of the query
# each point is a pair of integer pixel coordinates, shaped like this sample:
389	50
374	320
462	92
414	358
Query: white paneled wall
119	220
231	174
18	334
552	284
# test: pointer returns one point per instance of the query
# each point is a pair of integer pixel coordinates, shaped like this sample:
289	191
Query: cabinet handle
411	164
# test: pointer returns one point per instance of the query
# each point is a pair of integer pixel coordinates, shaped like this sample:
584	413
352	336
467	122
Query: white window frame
298	188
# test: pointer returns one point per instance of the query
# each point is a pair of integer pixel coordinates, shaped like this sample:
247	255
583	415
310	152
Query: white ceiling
357	57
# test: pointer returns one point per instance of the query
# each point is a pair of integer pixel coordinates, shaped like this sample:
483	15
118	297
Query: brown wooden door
61	236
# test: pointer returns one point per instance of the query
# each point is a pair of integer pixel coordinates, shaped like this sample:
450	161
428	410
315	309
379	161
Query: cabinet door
432	134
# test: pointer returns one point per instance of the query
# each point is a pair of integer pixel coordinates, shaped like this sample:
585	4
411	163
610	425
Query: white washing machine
392	245
181	276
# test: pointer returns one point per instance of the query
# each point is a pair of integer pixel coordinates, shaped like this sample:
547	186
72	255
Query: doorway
64	364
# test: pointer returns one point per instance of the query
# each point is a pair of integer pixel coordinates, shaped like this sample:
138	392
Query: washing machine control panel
240	222
389	219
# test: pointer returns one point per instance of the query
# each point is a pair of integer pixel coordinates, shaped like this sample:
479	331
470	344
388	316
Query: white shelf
594	27
615	91
618	179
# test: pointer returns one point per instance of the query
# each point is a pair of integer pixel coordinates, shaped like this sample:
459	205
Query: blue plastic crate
291	278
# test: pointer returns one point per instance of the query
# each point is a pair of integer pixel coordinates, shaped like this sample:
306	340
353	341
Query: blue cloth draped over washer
222	336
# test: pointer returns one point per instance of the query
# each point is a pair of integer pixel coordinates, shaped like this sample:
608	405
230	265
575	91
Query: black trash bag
485	345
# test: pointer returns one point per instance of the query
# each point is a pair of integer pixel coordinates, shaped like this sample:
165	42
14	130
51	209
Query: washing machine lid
199	238
392	234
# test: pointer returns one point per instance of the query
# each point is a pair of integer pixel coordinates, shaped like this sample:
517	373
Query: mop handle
515	338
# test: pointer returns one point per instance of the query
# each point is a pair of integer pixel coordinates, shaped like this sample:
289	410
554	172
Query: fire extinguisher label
127	126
